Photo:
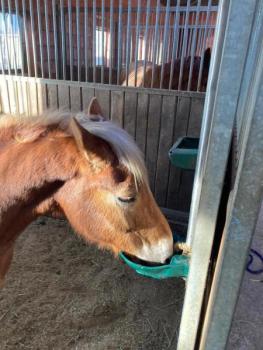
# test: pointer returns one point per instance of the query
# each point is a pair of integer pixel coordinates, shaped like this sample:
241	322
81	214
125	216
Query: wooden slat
130	110
180	129
87	94
52	96
141	120
4	94
75	99
103	97
165	143
195	120
187	177
63	97
42	97
153	128
33	98
117	103
12	96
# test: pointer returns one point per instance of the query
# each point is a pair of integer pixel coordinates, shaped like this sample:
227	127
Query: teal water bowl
184	152
178	266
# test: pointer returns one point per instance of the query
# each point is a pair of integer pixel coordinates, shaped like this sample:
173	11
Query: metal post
245	201
137	40
94	44
165	40
155	39
39	20
102	41
128	41
86	46
146	45
227	64
119	42
70	39
175	42
47	34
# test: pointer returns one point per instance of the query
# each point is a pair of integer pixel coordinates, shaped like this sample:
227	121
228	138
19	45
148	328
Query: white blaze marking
159	252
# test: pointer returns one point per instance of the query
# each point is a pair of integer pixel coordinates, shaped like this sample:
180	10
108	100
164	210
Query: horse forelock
26	129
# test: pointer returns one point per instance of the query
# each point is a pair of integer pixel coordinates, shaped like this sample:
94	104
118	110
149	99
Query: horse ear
94	111
88	143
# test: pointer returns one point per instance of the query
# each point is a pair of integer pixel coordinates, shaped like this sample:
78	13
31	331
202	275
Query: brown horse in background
85	169
146	81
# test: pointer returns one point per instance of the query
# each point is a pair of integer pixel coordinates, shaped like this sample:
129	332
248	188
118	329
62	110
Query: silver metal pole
164	49
146	37
86	46
102	41
111	39
119	42
54	13
78	38
175	43
12	35
5	36
128	41
204	41
47	35
155	39
193	46
39	20
32	20
137	40
70	39
94	44
62	23
245	201
226	71
20	37
184	45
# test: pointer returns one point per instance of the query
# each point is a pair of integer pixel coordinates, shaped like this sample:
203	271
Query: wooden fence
155	118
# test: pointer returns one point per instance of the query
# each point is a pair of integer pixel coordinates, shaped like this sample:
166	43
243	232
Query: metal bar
94	45
86	45
62	23
245	200
39	20
193	46
111	40
164	48
137	40
20	37
70	39
12	35
32	21
47	35
146	37
204	40
119	41
4	76
175	44
78	38
226	70
184	46
102	39
128	42
155	39
54	13
5	37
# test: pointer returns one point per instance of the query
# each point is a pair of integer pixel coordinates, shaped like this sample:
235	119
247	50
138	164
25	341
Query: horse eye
127	200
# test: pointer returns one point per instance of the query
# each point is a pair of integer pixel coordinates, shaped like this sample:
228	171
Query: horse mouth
139	261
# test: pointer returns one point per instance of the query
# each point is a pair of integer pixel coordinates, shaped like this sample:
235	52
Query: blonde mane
121	142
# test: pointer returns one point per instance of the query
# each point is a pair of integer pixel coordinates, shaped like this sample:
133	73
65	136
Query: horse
146	80
86	169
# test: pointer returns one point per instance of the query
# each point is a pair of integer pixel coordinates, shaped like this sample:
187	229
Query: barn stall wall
154	118
55	54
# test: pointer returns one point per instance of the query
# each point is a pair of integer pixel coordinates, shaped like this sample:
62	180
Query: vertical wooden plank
195	120
180	129
33	98
141	120
75	98
4	94
130	110
87	94
153	127
165	143
12	95
103	96
187	177
52	96
25	98
63	96
42	97
117	103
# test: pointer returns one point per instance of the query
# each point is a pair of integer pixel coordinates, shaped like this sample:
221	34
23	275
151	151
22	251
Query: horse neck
31	173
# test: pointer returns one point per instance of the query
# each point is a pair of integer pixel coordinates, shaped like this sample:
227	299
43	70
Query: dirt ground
63	294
